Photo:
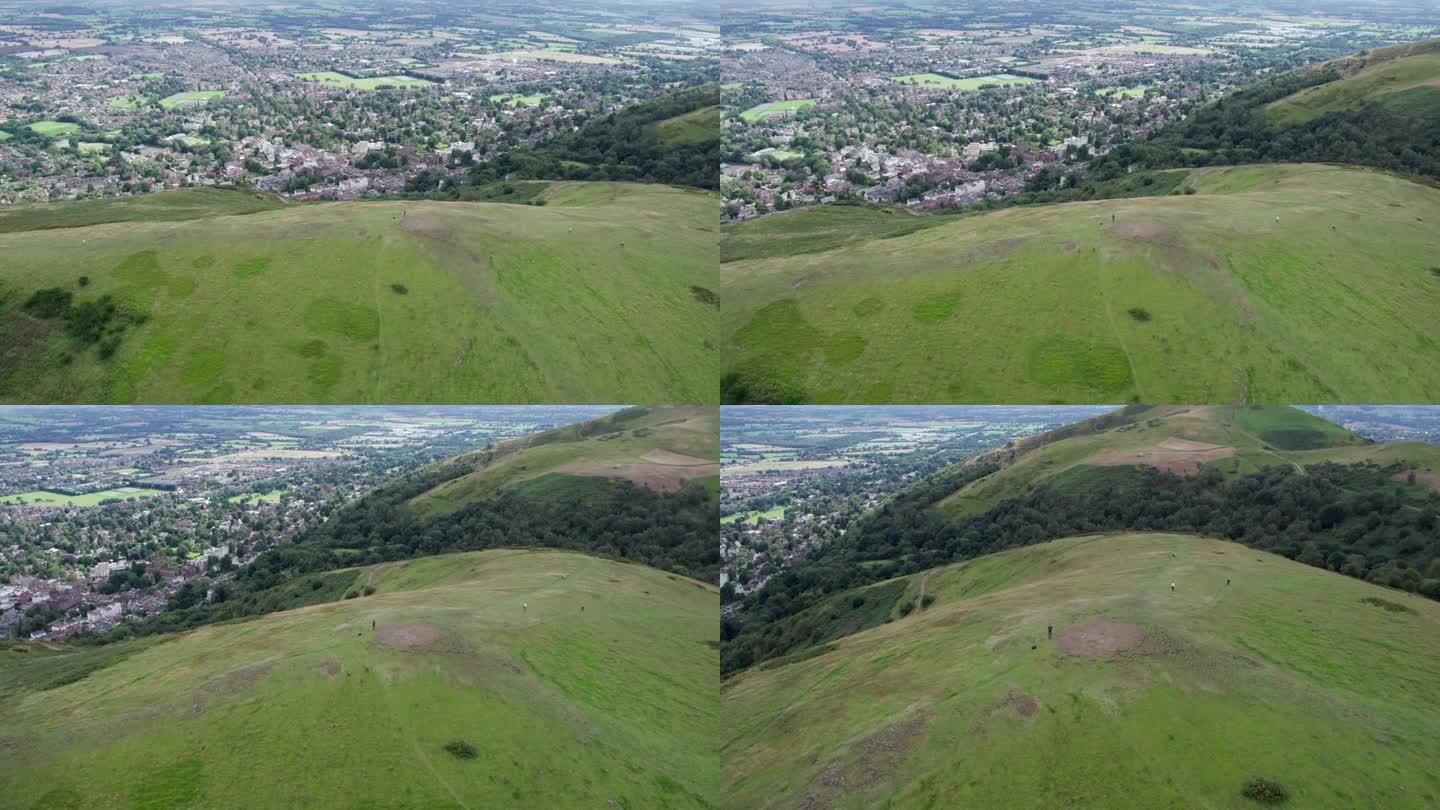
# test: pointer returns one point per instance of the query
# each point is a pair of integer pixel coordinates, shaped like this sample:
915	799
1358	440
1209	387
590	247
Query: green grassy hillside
1181	438
1145	698
1404	78
314	708
1302	283
603	294
662	448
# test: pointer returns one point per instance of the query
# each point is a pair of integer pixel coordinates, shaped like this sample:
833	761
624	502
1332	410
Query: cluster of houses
754	549
86	608
766	179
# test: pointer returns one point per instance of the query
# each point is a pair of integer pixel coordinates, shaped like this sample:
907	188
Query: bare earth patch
1177	443
669	458
880	755
1179	456
407	636
230	683
1100	639
1138	230
662	476
1428	478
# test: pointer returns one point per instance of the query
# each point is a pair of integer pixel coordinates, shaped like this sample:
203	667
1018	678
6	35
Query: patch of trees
1384	133
128	578
1354	519
100	322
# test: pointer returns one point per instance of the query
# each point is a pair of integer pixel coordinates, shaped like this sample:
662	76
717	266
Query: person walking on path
1172	587
1049	631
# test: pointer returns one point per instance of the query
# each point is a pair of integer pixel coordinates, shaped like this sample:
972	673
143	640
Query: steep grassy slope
662	448
313	708
1179	438
1319	682
600	295
1401	77
1269	283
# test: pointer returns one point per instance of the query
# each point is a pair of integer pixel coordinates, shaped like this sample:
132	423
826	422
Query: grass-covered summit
604	293
1254	668
466	680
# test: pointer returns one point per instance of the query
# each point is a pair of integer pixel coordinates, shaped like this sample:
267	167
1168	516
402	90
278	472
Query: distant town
953	108
118	100
120	512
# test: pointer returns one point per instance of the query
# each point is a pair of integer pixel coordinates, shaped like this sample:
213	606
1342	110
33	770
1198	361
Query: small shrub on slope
1265	791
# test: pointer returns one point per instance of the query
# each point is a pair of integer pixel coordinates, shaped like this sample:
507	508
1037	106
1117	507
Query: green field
1134	91
515	99
972	83
40	498
776	109
659	447
373	83
190	97
130	102
257	497
1286	674
773	513
312	708
1407	75
1301	283
590	298
53	128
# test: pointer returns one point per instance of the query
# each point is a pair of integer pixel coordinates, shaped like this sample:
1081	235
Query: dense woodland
1354	519
624	145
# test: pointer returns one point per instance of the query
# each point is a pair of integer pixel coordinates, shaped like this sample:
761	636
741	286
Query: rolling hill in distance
470	680
957	697
1402	79
1178	438
1264	283
1379	107
600	294
633	486
663	449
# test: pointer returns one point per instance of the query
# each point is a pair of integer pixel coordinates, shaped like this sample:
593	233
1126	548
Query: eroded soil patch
1100	639
875	759
407	636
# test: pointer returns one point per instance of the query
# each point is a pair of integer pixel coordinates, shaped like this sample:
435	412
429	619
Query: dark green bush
1263	790
1139	313
461	749
48	303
